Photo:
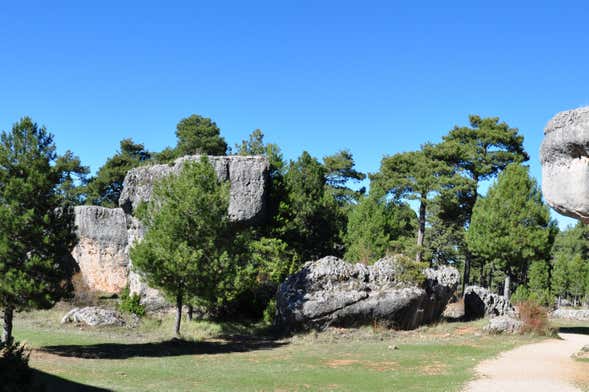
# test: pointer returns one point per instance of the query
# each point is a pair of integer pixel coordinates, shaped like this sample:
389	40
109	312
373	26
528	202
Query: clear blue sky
374	77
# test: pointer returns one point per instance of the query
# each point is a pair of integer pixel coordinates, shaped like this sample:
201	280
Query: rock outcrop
93	316
332	292
565	163
101	252
480	302
107	234
570	314
248	176
503	324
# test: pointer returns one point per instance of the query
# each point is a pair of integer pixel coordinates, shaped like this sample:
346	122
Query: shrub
270	311
15	373
534	318
131	303
521	294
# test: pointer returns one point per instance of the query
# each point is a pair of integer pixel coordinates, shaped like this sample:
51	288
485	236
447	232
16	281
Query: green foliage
270	311
373	224
308	217
74	181
199	135
410	271
511	226
414	176
253	146
184	250
131	303
339	170
521	294
37	231
15	373
105	188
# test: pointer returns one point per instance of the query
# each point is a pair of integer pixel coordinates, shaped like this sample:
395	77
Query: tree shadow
170	348
577	330
49	382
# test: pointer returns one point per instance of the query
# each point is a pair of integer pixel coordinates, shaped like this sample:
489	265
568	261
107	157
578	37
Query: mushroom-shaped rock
565	163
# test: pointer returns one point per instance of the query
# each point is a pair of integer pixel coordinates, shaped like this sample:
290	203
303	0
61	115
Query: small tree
511	226
199	135
37	231
182	252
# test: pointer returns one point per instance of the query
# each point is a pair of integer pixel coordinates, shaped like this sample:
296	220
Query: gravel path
540	367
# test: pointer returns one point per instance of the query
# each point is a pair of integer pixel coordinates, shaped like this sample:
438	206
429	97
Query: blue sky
374	77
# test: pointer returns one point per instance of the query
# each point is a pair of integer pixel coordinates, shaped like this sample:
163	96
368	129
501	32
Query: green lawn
438	358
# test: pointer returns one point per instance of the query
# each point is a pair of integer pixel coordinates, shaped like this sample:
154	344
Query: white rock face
107	234
248	176
101	252
565	163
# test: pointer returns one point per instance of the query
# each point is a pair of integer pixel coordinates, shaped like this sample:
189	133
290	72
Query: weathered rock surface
570	314
503	324
331	291
480	302
248	176
101	252
107	234
565	163
93	316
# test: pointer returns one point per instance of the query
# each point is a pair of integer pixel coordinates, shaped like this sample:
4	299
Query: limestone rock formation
565	163
331	291
570	314
503	324
93	316
107	234
248	176
101	252
480	302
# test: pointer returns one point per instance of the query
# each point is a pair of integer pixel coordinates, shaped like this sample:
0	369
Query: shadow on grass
49	382
577	330
170	348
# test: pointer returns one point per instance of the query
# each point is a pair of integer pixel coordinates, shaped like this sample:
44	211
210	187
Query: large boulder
248	177
503	324
565	163
331	291
480	302
101	252
93	316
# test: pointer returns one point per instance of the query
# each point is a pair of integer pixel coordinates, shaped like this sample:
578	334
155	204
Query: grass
227	357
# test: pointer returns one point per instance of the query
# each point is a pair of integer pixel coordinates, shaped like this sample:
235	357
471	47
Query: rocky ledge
332	292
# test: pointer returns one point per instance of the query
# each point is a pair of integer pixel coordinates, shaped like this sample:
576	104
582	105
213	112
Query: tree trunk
190	311
506	292
178	314
466	275
421	230
7	326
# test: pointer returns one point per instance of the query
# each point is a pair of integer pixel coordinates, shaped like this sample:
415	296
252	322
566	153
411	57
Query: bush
534	318
15	373
270	311
521	294
131	303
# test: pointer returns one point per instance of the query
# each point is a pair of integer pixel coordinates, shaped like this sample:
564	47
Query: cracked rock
332	292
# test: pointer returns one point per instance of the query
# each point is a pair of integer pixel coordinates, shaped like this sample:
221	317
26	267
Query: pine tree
37	231
511	226
199	135
184	250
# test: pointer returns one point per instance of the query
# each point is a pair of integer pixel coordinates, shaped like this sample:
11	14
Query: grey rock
480	302
570	314
93	316
248	176
101	252
503	324
332	292
565	163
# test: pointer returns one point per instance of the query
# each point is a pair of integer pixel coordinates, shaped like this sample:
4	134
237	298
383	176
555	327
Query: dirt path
540	367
